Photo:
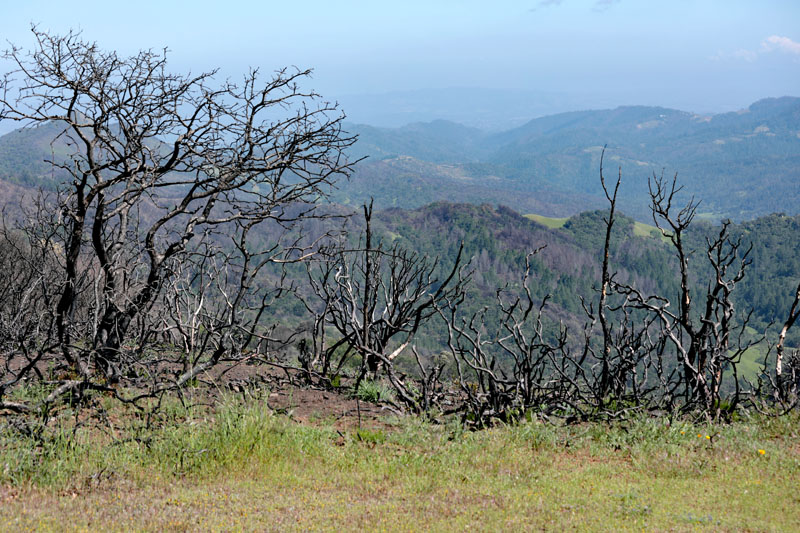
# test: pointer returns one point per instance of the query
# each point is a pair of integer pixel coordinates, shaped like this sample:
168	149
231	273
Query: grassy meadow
241	467
549	222
640	229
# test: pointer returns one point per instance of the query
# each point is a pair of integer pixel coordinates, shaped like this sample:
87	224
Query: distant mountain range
740	165
499	109
490	110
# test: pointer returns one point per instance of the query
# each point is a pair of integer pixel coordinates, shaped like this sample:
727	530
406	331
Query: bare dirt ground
303	403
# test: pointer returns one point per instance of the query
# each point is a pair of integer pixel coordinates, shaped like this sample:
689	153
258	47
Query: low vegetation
239	466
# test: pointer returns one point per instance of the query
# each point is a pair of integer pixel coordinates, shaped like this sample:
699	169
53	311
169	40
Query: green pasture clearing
751	363
640	229
552	223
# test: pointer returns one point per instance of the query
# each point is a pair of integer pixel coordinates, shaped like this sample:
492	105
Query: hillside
742	165
24	156
407	182
497	240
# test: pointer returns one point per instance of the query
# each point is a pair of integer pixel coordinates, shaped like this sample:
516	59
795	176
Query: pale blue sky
695	55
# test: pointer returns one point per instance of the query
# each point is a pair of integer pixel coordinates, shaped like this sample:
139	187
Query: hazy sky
695	55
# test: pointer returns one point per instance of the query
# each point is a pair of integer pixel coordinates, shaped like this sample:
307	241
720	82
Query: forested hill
741	165
24	156
498	239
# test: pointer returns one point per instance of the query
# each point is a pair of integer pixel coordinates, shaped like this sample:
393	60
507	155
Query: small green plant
374	392
371	436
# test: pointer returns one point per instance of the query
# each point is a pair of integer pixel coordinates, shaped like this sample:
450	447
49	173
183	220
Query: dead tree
375	300
611	381
627	369
705	341
505	372
787	382
28	277
162	169
605	282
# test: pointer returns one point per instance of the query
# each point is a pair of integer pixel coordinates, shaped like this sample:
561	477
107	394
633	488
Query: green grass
552	223
639	229
374	391
752	362
242	468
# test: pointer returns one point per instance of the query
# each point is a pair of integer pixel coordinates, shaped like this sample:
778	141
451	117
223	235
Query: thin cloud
783	44
546	3
773	43
745	55
604	5
738	55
